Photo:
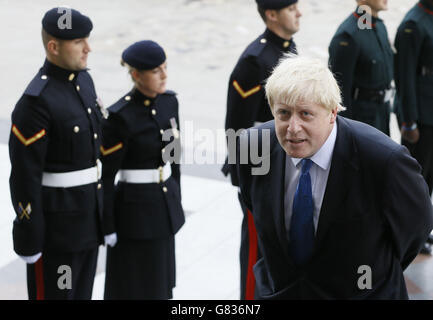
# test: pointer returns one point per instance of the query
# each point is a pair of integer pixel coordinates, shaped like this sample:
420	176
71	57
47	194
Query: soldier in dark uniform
54	151
247	105
144	208
414	82
361	58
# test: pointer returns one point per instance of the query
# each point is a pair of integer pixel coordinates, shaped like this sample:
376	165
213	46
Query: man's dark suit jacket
376	211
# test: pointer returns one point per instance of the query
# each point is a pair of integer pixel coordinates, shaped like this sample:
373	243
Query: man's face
152	82
376	5
302	129
288	18
73	53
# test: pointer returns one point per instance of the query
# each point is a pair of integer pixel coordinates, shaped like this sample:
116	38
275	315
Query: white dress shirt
319	173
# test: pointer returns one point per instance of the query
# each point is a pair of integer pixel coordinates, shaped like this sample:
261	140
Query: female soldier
144	208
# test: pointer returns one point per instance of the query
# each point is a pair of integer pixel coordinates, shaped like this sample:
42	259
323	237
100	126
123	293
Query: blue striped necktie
301	226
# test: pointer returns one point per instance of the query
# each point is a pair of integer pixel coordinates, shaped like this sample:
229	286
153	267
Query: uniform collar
282	44
374	20
426	6
142	99
57	72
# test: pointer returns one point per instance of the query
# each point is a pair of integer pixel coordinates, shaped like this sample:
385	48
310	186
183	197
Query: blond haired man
343	209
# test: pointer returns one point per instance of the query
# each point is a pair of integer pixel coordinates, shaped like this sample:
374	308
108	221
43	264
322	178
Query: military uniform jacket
55	128
361	58
246	100
138	133
414	44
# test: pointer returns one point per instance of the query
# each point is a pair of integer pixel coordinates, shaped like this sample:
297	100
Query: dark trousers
422	151
140	269
62	276
249	253
375	114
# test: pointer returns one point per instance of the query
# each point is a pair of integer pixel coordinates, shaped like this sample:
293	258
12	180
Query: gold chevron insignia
106	152
242	92
30	140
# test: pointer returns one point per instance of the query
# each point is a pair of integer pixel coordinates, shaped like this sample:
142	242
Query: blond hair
129	68
301	79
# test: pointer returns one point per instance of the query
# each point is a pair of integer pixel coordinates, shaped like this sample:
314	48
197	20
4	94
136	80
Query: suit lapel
275	192
343	166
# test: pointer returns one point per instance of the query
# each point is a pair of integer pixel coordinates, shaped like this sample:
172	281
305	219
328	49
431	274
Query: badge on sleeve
30	140
174	128
245	94
24	212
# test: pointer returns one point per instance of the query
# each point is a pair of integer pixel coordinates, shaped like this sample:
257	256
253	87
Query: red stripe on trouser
39	273
252	257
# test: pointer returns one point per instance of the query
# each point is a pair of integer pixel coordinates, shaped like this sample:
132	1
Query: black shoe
426	249
430	239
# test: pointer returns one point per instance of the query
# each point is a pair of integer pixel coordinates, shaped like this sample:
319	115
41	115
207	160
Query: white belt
73	178
389	94
146	175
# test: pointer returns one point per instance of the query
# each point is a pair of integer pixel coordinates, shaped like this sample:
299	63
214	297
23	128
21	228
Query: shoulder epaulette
256	47
120	104
85	76
349	26
37	84
170	92
415	14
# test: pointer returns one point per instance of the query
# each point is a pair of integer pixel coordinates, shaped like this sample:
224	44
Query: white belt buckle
158	175
388	95
98	169
161	174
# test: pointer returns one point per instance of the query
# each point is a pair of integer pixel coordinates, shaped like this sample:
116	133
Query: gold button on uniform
89	111
76	129
147	102
78	88
161	131
164	189
286	44
127	98
99	186
95	136
263	40
71	77
44	77
153	111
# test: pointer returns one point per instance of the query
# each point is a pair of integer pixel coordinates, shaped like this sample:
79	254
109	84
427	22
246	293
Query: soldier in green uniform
361	58
414	82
